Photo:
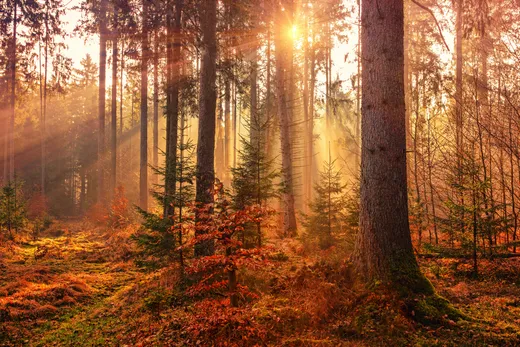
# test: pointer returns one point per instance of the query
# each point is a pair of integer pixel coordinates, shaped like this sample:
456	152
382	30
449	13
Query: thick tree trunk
143	166
207	103
384	248
101	101
281	47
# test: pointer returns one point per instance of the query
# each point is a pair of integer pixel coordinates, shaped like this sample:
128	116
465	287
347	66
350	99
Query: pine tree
159	237
12	208
329	215
470	211
253	179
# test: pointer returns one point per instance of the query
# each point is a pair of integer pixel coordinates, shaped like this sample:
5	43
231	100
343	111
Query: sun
294	31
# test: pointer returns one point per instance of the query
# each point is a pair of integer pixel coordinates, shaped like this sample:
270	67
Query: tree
207	104
51	28
283	49
328	217
253	178
101	97
384	249
12	208
173	56
143	172
113	110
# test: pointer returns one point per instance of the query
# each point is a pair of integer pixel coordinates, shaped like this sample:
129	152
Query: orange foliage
37	206
119	213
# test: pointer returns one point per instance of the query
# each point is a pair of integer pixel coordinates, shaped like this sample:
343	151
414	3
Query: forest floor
77	286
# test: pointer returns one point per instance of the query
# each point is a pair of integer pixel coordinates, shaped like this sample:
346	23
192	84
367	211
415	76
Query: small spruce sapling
12	208
159	237
253	177
328	216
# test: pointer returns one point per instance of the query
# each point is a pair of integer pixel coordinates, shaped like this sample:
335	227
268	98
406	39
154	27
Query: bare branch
436	22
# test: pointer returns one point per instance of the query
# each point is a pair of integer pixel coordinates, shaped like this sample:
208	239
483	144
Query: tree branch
436	22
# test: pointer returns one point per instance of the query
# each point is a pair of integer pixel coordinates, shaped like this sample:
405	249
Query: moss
433	309
408	279
424	304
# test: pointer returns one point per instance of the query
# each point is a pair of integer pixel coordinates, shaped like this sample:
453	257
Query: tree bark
143	172
101	101
113	124
207	103
281	51
384	248
13	94
155	151
173	80
44	113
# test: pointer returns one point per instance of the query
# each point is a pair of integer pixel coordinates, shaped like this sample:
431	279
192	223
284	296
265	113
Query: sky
79	47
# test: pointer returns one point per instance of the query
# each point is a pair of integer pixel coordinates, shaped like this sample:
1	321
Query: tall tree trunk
120	144
281	51
416	139
227	103
155	151
254	116
357	130
83	187
269	129
143	166
458	103
101	101
13	94
306	136
113	124
207	103
430	180
227	132
313	168
384	248
173	80
44	113
512	180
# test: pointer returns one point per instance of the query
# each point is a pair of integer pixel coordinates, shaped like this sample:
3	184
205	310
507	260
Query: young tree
328	216
253	179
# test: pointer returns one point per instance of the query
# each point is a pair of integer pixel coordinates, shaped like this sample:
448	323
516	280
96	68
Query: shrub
119	214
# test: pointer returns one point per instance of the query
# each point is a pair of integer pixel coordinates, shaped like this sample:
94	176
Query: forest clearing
83	292
259	173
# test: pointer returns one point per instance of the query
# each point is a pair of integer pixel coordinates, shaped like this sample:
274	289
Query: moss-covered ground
78	286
